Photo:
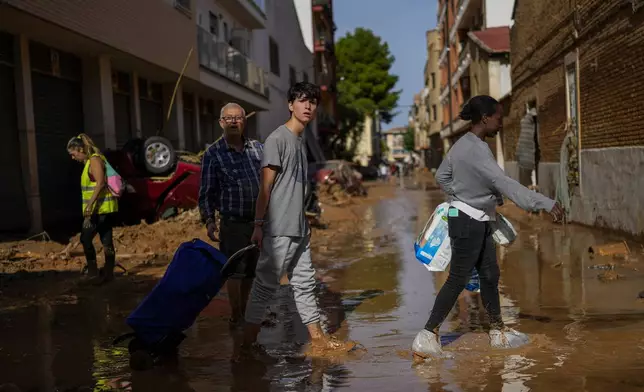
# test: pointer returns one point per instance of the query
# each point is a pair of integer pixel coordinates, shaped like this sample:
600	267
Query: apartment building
419	122
325	71
395	142
109	69
573	127
459	23
431	95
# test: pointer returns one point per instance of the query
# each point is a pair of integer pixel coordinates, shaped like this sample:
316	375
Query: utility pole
447	42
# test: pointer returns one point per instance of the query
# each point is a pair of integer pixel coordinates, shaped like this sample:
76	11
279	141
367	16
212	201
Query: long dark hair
478	107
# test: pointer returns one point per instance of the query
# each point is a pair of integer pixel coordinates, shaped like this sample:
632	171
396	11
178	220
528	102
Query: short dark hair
477	107
304	90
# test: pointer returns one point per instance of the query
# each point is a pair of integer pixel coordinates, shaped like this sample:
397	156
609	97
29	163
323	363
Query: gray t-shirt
285	217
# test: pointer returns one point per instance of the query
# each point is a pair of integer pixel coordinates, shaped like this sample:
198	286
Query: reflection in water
373	291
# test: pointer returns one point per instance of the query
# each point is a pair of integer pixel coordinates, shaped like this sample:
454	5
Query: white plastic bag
432	247
504	233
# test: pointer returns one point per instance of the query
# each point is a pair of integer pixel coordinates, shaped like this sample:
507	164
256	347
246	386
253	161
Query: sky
402	24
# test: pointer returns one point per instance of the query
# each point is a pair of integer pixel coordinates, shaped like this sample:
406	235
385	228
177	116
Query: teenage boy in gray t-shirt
281	228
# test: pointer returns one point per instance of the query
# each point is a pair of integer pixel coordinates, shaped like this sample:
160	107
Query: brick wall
152	30
540	32
610	44
611	74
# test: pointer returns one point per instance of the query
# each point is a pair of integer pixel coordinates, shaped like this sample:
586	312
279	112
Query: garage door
122	120
189	131
207	122
58	114
13	202
151	102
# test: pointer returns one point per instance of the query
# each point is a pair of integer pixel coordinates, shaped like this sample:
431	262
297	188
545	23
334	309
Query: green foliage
364	82
409	140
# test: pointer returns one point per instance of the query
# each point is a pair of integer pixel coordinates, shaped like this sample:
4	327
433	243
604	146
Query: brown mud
586	335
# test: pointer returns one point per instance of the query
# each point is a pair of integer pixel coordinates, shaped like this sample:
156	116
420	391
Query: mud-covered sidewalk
37	269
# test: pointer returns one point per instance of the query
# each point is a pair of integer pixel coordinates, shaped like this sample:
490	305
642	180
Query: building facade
419	121
110	72
576	77
395	142
459	22
325	71
431	96
282	47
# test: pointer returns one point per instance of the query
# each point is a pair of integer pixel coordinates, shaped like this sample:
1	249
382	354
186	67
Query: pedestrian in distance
230	185
475	185
281	228
99	207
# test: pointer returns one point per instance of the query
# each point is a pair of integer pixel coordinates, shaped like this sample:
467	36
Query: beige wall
125	25
433	98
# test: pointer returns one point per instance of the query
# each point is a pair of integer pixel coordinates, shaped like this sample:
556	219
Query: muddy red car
159	184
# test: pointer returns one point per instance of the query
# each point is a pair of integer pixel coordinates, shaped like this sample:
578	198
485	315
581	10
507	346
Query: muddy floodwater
587	333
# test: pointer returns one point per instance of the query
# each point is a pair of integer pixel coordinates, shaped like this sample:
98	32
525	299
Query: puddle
587	334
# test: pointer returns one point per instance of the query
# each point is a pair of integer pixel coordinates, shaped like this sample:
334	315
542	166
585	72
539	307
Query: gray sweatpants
279	255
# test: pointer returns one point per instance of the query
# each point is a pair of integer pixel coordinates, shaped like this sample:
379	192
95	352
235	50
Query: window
225	32
214	24
292	75
274	54
434	113
305	77
433	80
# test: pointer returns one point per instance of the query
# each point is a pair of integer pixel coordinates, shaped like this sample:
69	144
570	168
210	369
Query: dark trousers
235	234
472	247
101	224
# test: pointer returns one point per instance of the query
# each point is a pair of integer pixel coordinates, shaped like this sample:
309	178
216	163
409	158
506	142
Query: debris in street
609	266
618	249
609	276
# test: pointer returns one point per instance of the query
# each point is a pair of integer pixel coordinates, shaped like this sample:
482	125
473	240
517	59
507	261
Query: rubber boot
507	338
107	274
92	269
427	346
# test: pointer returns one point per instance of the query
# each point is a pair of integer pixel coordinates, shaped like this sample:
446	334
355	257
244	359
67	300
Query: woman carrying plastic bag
475	185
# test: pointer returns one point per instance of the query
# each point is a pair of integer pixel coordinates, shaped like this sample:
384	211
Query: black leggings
472	246
101	224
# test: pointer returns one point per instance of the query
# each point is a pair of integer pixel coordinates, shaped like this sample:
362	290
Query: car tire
159	157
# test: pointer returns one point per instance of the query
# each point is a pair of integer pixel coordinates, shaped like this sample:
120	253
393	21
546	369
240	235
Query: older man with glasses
230	184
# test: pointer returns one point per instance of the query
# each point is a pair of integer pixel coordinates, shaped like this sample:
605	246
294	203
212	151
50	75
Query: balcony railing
229	62
441	17
457	21
443	55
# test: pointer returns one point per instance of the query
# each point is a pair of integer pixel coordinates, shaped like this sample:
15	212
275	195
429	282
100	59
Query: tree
409	140
365	84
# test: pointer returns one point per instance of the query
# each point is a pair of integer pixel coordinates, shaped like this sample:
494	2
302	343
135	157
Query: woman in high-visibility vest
99	206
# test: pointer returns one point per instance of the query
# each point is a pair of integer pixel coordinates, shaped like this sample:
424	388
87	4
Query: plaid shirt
230	179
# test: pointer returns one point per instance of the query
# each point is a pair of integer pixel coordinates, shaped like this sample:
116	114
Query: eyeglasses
235	118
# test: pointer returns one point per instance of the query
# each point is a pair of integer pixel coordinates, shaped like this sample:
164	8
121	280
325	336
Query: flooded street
588	335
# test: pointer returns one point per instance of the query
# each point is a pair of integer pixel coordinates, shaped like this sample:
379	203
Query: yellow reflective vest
107	203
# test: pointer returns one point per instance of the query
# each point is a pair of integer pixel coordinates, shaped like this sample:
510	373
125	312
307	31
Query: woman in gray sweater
475	185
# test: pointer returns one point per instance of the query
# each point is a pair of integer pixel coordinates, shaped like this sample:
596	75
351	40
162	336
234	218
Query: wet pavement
588	335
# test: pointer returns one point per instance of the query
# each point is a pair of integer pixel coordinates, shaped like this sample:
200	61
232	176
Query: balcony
322	6
441	17
322	44
469	17
223	59
249	13
443	56
325	81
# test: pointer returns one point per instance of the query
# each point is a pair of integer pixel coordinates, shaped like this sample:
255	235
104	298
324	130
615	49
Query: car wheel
159	156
